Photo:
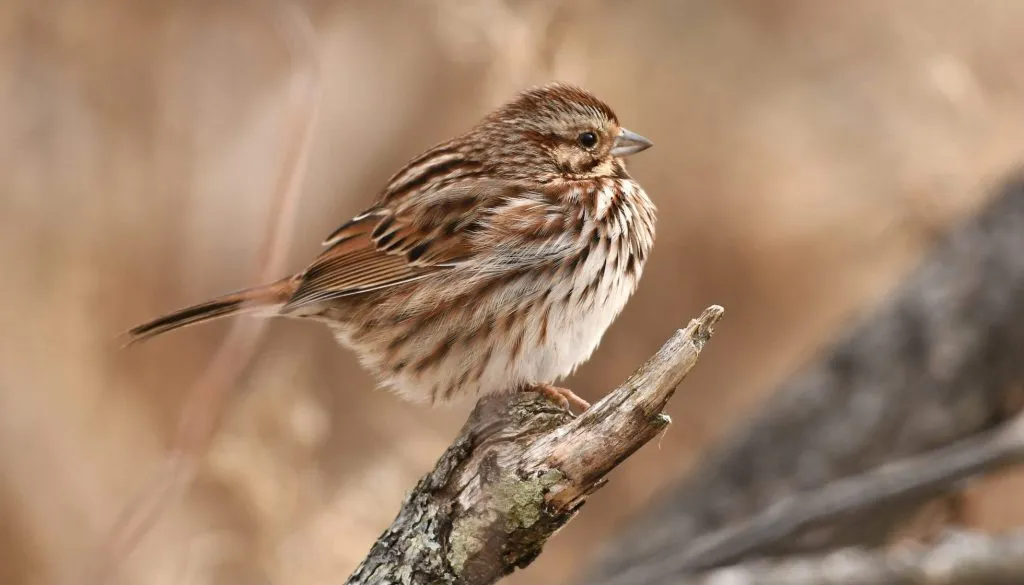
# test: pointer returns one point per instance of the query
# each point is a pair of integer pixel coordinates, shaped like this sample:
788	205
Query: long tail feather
261	298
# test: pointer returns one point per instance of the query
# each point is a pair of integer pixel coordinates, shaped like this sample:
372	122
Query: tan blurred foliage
806	153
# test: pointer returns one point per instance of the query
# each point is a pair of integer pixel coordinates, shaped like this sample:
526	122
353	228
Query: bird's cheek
565	167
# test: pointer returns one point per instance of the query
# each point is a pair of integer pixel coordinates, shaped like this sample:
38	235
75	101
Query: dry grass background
806	154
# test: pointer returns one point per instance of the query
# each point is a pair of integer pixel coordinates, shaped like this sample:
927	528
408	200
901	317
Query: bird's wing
492	225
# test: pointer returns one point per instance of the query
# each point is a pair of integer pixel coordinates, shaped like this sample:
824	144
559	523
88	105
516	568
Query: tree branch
842	499
960	559
519	470
935	364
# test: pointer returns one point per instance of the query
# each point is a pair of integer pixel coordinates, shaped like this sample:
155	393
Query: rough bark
519	470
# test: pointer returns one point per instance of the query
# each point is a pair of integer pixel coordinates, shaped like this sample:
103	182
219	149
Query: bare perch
847	498
961	558
519	469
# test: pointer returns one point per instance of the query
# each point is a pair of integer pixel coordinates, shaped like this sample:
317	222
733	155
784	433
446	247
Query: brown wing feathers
408	239
371	252
402	241
335	275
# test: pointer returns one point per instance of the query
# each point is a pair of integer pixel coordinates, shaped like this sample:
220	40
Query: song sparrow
494	261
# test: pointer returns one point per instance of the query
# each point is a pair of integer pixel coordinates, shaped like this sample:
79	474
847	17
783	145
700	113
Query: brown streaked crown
537	137
541	135
552	103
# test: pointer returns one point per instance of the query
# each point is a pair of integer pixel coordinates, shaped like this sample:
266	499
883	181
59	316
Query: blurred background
807	153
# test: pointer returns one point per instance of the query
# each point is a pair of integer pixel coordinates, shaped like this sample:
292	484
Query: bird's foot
561	396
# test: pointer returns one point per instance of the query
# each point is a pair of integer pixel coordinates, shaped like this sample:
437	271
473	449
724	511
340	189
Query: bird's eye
587	139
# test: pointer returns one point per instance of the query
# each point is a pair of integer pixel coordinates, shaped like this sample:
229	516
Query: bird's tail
261	298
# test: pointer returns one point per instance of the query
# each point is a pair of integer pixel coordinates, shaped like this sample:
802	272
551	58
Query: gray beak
627	143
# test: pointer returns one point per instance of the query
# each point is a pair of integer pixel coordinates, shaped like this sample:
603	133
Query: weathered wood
520	469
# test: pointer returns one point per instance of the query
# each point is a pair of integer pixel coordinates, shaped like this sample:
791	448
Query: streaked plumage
494	261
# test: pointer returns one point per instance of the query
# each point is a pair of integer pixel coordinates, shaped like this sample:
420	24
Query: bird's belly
573	332
477	349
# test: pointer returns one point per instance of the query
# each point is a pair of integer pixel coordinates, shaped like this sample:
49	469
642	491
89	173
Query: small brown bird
494	261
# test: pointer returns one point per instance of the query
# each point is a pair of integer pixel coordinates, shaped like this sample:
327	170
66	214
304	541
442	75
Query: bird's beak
627	143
